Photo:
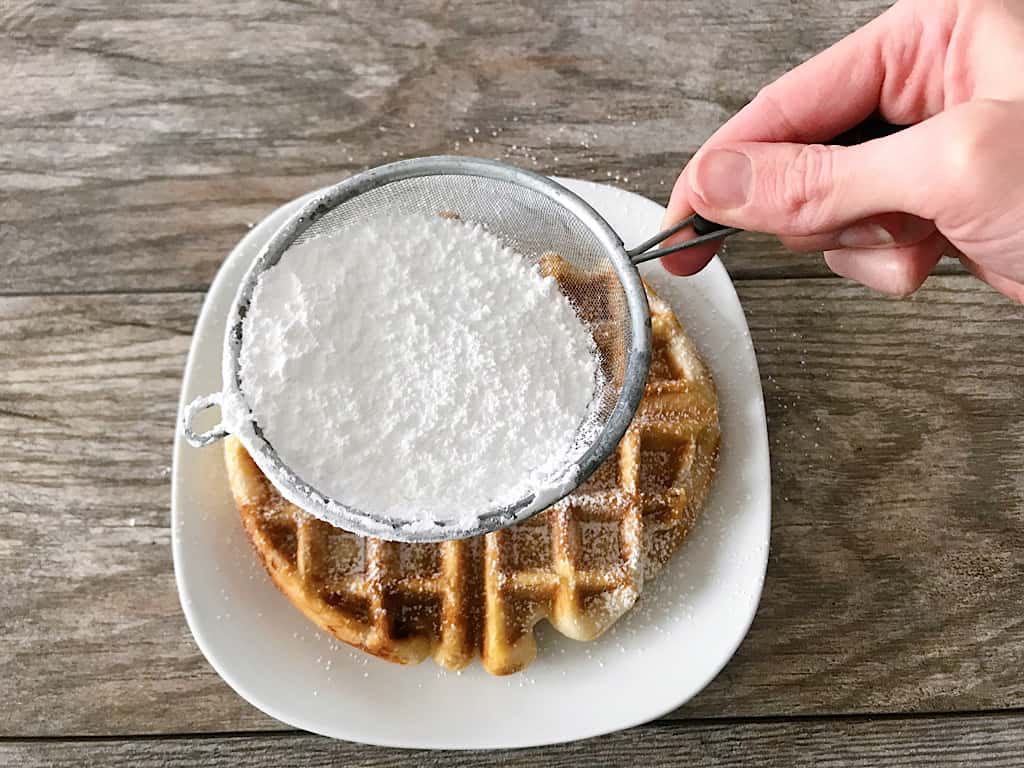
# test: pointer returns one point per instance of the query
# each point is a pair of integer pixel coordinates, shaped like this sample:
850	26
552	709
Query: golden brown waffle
580	565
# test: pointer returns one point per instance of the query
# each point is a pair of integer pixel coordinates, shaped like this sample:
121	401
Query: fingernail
865	235
723	178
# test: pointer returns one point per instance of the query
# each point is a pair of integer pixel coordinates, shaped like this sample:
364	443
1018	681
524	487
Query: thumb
808	189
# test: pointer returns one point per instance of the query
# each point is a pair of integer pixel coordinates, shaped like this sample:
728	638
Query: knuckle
768	102
903	274
974	133
805	187
904	289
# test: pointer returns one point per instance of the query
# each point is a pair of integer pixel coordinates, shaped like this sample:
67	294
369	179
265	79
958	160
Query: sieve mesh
534	217
546	233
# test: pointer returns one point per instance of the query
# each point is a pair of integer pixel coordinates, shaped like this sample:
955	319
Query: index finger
892	65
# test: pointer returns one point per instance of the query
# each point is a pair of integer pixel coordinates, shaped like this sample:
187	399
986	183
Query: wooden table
138	141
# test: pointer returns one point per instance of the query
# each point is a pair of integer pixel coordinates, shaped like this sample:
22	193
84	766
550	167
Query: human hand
885	211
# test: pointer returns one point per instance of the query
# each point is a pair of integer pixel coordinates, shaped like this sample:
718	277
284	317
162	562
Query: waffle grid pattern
580	565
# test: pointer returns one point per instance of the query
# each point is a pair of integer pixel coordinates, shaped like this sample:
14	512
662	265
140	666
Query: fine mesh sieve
534	216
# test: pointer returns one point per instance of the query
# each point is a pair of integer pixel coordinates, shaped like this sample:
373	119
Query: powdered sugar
416	369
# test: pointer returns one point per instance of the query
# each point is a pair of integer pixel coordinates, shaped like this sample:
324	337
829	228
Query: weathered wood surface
138	140
903	742
896	581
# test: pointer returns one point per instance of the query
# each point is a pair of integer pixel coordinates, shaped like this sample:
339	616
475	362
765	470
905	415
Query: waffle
580	565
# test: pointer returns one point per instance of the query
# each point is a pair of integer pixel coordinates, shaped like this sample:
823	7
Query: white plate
685	627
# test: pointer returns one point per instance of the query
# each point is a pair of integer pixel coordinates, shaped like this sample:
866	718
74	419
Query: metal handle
210	436
872	128
711	231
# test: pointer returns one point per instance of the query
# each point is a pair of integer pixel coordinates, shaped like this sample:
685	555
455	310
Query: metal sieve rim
359	521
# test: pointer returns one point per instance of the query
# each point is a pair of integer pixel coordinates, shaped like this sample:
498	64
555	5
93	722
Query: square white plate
685	627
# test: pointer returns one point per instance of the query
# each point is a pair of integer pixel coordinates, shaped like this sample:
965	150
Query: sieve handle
706	231
711	231
201	439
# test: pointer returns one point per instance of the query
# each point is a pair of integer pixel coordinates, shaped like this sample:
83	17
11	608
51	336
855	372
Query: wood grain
896	578
995	740
92	637
897	439
139	140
